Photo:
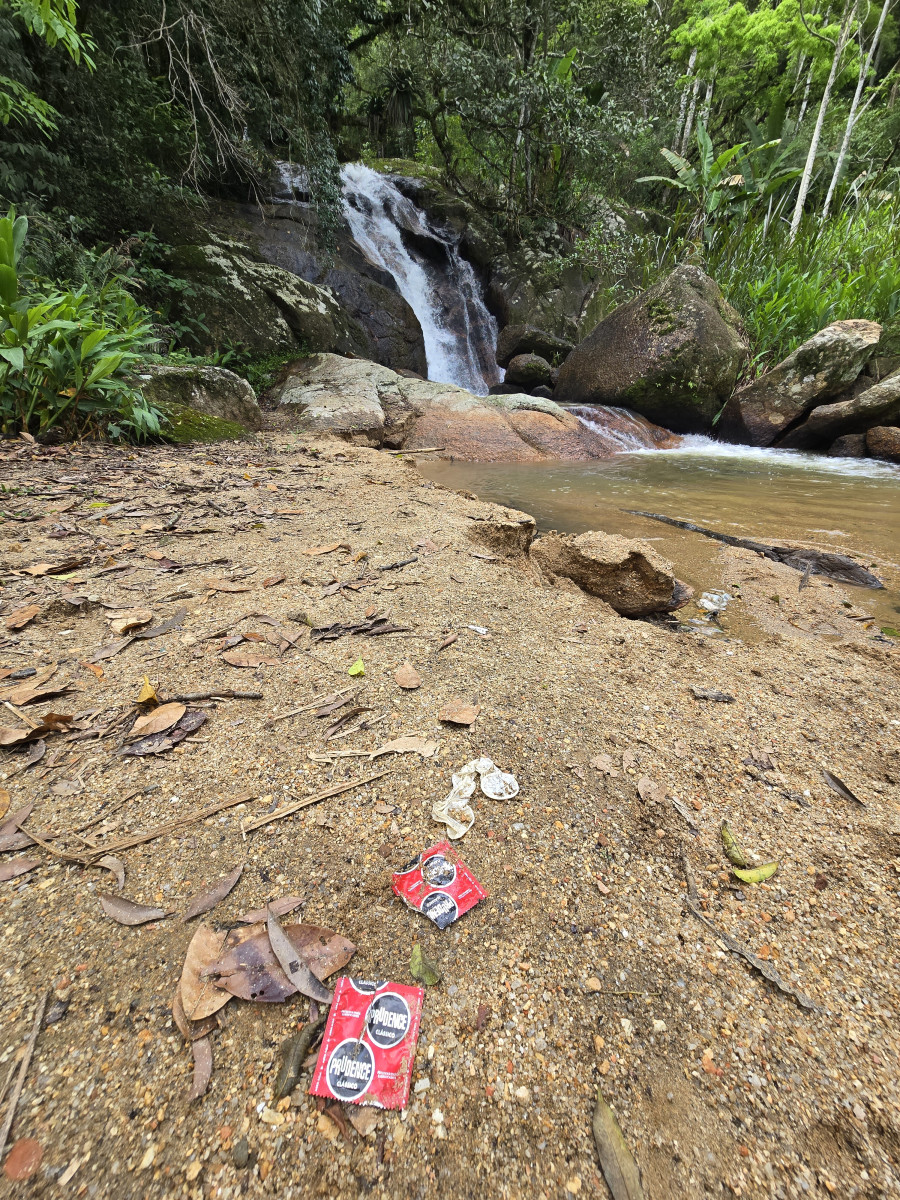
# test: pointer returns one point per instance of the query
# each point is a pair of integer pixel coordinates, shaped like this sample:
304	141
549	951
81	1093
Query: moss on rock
184	424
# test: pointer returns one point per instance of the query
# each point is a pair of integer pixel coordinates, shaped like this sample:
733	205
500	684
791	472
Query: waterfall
438	284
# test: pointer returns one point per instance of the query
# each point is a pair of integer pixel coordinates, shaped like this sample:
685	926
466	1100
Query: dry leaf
198	996
111	649
213	895
203	1065
124	620
147	694
273	579
98	671
406	676
326	549
252	658
838	785
158	743
616	1160
191	1030
15	867
603	763
224	585
20	618
280	907
129	912
459	712
652	792
159	720
294	963
251	971
67	787
113	865
4	802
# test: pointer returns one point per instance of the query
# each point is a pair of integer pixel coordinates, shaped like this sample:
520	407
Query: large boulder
629	575
527	371
370	404
761	412
884	442
877	405
528	339
213	391
673	354
851	445
247	302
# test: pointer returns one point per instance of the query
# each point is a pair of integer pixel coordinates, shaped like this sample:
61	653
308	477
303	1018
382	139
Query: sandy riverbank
595	971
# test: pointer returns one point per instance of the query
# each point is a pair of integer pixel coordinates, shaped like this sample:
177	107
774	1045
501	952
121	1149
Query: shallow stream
851	506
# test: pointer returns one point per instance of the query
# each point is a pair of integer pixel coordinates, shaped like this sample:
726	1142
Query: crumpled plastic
454	810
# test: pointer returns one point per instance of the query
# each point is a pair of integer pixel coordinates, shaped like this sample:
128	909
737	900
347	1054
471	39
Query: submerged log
838	567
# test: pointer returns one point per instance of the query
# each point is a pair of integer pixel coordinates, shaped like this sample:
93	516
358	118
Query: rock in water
370	404
528	371
210	390
672	354
851	445
528	339
877	405
630	576
884	442
819	370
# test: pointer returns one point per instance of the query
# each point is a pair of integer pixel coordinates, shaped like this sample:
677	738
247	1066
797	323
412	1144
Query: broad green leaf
756	874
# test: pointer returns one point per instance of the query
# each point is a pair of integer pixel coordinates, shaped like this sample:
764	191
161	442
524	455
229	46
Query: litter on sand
454	810
369	1044
439	884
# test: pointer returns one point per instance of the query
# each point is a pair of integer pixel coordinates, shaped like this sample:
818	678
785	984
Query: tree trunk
682	108
864	68
689	123
806	178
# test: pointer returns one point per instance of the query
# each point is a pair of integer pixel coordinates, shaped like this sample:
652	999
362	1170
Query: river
848	505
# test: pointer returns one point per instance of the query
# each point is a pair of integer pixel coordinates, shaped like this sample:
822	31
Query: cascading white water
618	425
459	332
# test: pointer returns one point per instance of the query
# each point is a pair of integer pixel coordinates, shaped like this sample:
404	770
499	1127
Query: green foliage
67	357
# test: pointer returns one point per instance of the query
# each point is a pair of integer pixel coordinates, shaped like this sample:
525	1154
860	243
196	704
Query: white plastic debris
455	812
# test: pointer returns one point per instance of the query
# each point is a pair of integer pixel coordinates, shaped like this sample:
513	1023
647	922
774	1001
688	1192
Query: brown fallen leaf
280	907
124	620
406	676
448	641
198	996
115	866
203	1066
159	743
129	912
603	763
838	785
251	971
98	671
67	787
20	618
158	721
251	658
191	1030
648	790
410	744
10	825
63	568
14	735
273	580
111	649
156	631
224	585
459	712
15	867
4	802
326	549
203	901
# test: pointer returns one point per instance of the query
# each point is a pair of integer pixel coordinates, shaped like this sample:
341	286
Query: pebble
240	1153
523	1096
24	1159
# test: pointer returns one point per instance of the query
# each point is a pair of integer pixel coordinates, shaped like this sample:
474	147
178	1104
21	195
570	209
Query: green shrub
67	356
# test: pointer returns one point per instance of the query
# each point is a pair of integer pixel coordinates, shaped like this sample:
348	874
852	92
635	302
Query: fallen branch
150	835
23	1070
308	800
221	694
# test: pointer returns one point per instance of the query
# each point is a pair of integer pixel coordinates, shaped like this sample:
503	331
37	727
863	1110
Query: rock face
527	371
506	531
884	442
368	403
630	576
760	413
246	301
877	405
213	391
672	354
851	445
528	339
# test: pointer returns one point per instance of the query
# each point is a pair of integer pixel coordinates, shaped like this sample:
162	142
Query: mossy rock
183	424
